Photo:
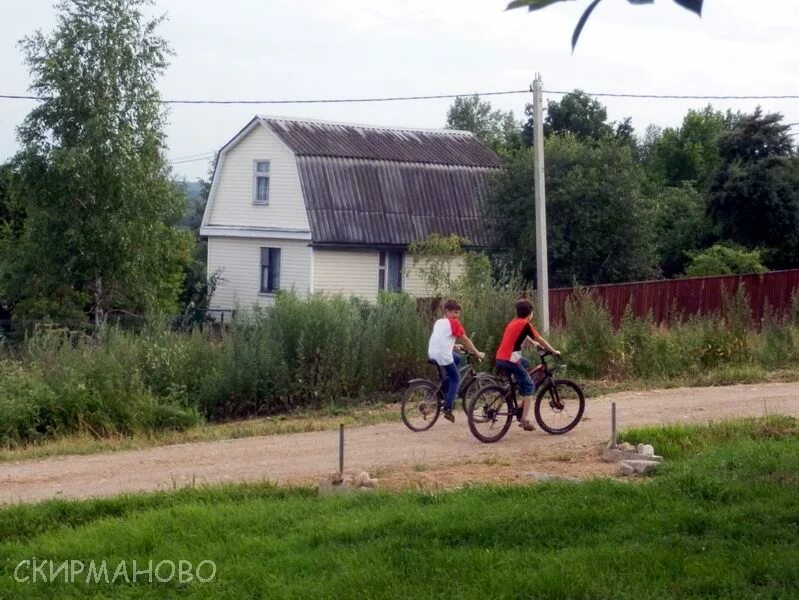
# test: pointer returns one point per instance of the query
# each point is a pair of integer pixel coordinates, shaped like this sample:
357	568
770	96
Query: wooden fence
665	299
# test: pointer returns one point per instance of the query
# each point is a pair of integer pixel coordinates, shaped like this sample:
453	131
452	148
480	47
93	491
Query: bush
22	395
591	344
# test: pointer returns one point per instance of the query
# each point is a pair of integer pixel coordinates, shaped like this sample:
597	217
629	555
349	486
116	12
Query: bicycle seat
503	372
438	367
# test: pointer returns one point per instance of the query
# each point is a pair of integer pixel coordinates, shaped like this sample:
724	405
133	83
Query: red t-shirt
515	333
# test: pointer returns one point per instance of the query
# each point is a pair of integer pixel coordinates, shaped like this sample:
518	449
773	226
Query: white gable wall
238	260
231	203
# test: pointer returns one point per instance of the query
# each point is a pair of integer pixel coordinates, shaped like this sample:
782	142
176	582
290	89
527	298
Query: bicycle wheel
559	406
490	414
473	388
421	405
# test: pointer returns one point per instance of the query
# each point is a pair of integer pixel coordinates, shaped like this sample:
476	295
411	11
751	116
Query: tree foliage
597	217
724	259
93	181
681	226
690	152
498	129
692	5
581	115
622	207
754	197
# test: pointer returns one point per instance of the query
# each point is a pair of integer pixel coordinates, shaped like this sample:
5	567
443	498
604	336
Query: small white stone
636	467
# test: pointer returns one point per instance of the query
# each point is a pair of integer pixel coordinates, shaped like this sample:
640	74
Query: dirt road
304	457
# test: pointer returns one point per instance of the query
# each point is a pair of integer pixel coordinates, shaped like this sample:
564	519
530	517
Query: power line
303	101
191	157
191	160
448	96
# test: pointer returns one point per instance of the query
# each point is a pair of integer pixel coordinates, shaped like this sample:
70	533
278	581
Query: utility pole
542	280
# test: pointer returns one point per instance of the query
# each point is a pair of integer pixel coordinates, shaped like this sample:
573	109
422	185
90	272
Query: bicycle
559	404
423	400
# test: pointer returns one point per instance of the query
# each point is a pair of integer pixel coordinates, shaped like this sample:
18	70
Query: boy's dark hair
524	308
452	305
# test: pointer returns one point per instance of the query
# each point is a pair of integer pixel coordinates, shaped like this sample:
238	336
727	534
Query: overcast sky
290	49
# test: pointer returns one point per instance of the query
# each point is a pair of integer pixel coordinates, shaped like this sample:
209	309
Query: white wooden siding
232	203
239	262
355	273
414	282
346	272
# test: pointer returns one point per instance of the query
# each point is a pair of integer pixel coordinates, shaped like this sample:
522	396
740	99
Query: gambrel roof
367	185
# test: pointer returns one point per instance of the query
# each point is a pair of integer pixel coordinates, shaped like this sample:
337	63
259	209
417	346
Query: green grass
720	521
682	441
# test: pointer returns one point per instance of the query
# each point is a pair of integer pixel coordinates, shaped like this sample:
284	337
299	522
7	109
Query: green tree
692	5
10	219
754	198
497	129
584	117
681	226
99	203
724	259
598	221
689	152
579	114
198	286
9	211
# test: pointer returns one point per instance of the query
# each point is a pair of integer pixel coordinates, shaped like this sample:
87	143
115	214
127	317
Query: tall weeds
327	350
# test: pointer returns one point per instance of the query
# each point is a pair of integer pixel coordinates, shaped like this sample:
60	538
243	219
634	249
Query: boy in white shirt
446	332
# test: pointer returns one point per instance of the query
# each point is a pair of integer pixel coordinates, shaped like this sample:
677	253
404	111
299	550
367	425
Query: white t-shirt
442	341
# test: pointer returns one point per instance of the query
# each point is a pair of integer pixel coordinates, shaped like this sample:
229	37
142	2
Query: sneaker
526	425
449	416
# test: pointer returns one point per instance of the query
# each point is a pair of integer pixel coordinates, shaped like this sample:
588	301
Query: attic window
260	185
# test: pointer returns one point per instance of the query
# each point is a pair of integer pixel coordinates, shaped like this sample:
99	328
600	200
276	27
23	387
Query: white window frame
256	175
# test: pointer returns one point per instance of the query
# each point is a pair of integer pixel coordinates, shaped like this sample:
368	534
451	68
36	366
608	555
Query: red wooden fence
697	295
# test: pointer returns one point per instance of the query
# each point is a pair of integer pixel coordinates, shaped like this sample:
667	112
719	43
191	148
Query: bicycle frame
541	374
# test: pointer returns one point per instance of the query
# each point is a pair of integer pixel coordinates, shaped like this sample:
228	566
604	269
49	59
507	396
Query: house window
389	271
270	270
260	185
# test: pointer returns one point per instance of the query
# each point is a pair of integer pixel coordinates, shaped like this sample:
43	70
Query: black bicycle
559	404
424	399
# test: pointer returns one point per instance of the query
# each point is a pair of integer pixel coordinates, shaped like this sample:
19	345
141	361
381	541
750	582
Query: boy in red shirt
446	332
509	355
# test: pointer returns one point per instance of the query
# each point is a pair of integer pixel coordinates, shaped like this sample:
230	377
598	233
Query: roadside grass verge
720	521
303	421
350	414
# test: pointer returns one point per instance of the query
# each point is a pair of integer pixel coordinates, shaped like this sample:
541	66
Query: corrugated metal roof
379	186
356	201
441	147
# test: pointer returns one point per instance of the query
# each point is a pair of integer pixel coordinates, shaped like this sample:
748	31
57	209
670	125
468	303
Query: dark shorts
520	375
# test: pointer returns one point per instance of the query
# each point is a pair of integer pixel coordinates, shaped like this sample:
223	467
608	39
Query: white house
319	206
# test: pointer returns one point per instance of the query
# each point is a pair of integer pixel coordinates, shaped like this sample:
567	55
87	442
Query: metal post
542	282
341	449
613	423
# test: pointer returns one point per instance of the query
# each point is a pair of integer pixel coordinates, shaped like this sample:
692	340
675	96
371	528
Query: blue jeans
452	380
520	375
